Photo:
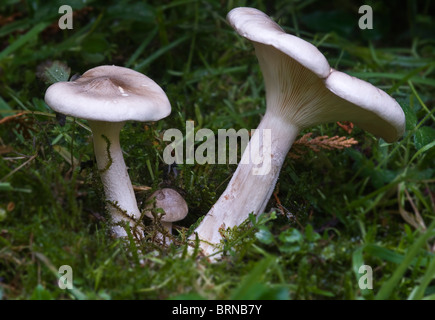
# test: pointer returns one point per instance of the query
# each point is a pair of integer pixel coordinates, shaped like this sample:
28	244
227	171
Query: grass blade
418	292
388	286
23	39
159	53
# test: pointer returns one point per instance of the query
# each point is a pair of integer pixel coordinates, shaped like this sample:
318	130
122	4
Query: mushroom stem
161	237
238	200
167	226
120	197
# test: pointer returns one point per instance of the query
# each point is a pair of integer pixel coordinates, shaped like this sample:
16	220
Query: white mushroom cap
258	27
304	90
171	202
110	93
384	117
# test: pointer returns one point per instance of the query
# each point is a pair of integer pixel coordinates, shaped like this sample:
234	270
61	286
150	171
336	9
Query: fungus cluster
302	91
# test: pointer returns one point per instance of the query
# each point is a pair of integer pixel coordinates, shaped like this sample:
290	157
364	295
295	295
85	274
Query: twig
19	167
414	220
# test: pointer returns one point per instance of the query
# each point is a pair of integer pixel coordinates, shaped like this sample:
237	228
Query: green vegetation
333	210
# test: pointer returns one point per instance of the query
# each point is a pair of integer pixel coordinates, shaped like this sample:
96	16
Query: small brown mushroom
171	202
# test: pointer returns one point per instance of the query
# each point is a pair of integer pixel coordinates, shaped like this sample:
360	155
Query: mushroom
302	90
108	96
171	202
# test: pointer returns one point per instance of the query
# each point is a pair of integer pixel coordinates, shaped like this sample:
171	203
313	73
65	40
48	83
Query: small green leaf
310	234
423	136
410	116
5	108
40	293
264	235
251	286
291	236
53	71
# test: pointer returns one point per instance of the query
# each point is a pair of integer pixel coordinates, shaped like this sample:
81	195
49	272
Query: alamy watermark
66	21
366	280
182	147
66	279
366	20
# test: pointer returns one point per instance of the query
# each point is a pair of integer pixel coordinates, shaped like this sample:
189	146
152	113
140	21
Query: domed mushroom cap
110	93
171	202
